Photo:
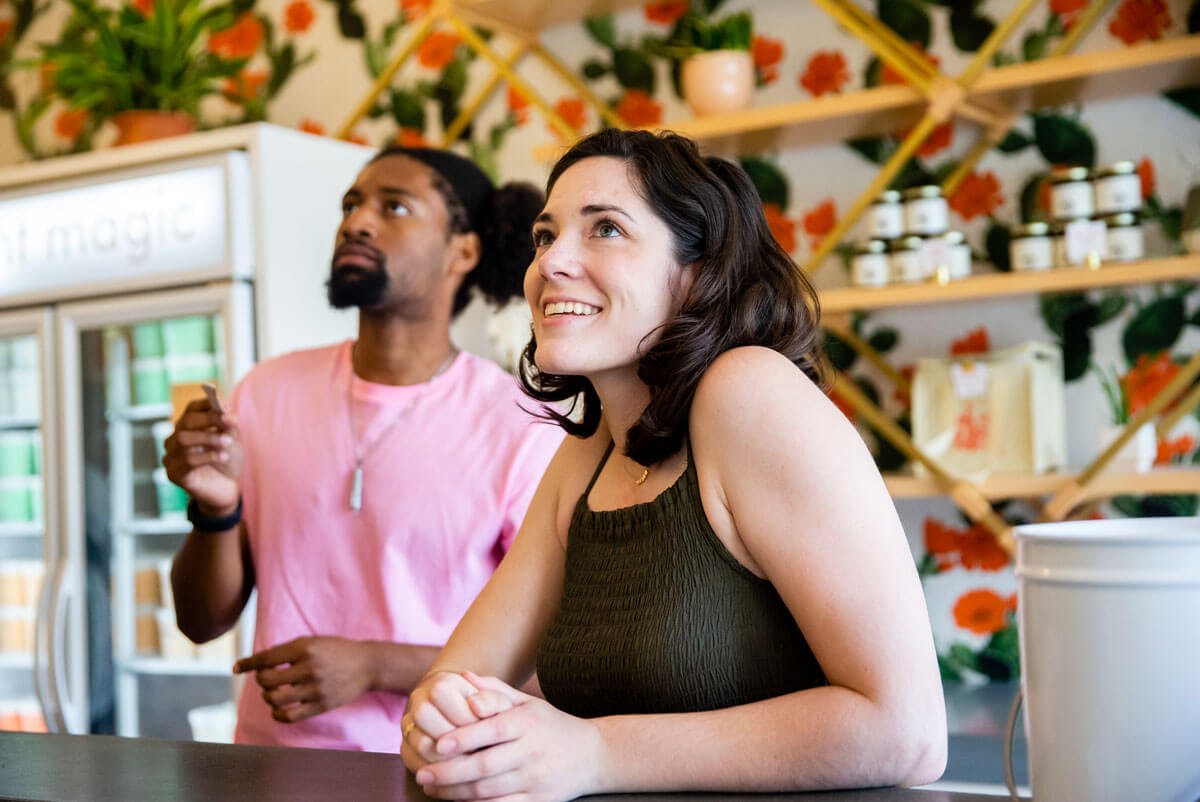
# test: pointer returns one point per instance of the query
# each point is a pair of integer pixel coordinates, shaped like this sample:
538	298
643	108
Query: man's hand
308	676
204	456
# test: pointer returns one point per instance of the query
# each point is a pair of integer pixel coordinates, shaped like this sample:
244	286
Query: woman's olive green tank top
657	616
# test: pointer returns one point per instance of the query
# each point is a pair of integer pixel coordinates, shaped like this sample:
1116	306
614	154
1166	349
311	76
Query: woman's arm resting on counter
788	482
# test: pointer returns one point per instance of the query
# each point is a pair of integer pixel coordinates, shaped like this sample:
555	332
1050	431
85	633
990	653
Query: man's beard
350	287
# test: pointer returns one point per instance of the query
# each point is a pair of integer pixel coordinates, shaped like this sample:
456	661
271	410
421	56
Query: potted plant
712	57
143	66
1138	454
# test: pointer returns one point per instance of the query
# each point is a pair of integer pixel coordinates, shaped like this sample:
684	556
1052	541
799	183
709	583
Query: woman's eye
542	238
606	229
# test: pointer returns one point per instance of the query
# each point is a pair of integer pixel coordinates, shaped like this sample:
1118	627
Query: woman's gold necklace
641	479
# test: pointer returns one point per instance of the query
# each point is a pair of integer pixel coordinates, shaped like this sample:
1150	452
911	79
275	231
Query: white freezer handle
63	600
43	657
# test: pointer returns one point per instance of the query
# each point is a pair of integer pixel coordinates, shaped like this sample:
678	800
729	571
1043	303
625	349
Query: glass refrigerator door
137	362
24	438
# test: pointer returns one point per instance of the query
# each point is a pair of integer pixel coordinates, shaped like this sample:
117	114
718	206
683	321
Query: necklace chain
356	482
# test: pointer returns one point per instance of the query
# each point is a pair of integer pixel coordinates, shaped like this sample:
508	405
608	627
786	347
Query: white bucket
1110	658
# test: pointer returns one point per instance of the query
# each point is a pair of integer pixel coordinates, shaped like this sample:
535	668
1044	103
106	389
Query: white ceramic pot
718	81
1137	455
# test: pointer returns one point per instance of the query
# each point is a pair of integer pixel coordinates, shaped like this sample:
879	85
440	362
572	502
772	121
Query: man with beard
367	489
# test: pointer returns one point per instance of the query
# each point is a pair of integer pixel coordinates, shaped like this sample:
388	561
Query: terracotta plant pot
144	126
718	81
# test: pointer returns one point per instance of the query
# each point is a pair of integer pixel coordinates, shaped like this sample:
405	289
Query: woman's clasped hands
467	737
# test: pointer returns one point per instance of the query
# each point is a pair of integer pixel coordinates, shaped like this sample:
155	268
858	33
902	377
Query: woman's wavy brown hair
746	291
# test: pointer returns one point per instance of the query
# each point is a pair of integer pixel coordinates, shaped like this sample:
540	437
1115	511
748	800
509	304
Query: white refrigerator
126	276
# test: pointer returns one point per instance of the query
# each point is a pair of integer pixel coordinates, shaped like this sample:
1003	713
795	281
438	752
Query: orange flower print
573	111
767	55
979	550
411	138
938	140
1068	10
888	75
298	16
782	227
973	547
241	40
1043	199
666	12
1010	604
981	611
826	72
976	195
972	429
639	109
357	137
1146	379
518	104
941	539
1145	171
819	221
973	342
310	126
69	123
1180	447
415	9
438	50
1136	20
144	7
246	85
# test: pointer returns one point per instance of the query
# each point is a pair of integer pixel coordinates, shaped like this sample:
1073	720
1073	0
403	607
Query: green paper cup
188	335
172	500
14	500
17	454
36	437
150	385
147	339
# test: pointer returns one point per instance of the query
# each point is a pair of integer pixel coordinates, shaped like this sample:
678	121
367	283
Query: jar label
1084	239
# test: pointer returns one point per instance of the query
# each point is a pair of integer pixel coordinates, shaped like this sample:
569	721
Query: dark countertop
105	768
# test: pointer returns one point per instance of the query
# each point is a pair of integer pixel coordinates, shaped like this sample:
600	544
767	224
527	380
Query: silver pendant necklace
356	479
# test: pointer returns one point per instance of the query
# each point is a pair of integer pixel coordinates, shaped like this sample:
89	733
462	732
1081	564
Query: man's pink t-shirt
444	492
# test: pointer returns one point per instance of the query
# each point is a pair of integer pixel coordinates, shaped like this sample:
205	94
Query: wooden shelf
991	285
1103	75
868	112
1090	77
530	16
1106	485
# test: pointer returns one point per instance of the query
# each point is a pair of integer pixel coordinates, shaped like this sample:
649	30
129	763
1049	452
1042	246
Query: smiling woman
711	568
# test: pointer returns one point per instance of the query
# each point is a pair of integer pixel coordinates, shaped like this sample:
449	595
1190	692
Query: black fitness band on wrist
205	523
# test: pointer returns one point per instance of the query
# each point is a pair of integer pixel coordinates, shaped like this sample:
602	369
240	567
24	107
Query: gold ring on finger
407	729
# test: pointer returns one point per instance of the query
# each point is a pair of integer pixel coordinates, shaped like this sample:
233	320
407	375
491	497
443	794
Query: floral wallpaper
308	62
